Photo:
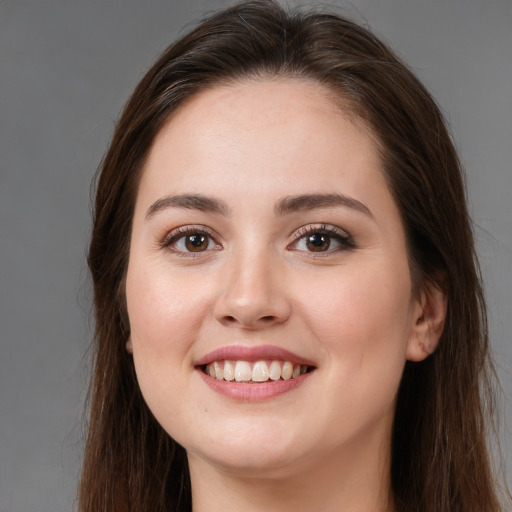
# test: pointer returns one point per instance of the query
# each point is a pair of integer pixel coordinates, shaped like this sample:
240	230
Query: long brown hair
440	460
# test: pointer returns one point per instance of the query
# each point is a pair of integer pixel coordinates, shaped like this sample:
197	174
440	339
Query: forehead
266	135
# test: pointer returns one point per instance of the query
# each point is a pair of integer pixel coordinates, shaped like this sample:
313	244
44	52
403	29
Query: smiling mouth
255	372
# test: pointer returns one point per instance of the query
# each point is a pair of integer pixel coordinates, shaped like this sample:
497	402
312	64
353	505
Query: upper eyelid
180	231
320	227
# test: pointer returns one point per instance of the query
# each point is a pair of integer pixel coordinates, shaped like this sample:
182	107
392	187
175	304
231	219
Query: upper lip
251	354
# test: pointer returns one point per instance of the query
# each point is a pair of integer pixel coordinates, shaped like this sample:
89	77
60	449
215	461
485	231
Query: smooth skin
329	281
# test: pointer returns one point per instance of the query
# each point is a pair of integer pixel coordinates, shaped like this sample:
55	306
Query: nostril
263	320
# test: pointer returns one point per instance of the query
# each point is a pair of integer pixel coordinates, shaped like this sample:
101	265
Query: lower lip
247	392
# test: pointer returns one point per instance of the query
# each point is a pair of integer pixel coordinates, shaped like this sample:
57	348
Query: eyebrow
292	204
285	206
188	202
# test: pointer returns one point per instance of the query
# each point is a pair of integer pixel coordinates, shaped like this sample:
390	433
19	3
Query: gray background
66	70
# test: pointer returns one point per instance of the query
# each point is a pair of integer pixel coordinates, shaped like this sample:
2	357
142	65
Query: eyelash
177	234
345	240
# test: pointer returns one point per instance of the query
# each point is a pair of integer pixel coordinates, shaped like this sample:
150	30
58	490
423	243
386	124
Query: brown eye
190	241
323	240
318	242
196	242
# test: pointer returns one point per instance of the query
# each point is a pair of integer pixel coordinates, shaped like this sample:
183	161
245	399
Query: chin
251	450
253	462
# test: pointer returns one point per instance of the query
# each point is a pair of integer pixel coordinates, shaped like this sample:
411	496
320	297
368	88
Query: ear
129	345
428	319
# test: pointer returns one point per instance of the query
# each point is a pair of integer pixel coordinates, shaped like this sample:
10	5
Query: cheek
365	315
164	312
362	325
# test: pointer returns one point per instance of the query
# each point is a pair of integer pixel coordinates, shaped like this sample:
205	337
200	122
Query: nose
253	294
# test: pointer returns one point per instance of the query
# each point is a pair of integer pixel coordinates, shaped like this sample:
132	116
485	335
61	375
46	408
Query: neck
354	481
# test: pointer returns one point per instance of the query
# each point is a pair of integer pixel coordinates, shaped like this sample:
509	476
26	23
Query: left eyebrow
188	202
292	204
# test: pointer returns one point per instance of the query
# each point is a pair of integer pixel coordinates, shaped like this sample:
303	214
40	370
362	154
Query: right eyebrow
188	202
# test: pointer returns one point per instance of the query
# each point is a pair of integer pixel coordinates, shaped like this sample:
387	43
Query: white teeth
229	371
219	373
275	370
260	372
243	371
287	370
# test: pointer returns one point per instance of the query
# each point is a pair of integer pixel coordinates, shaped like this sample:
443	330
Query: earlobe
428	322
129	345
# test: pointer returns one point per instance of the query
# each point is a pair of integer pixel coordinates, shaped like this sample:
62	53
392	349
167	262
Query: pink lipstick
253	373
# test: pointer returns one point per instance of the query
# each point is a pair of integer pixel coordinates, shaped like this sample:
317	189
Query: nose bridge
252	295
252	279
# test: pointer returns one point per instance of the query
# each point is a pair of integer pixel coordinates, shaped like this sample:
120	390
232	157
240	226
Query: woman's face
266	243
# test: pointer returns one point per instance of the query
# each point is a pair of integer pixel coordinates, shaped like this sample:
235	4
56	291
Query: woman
289	313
